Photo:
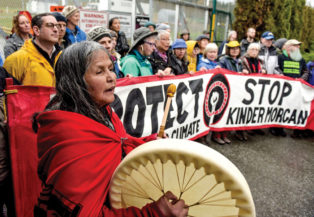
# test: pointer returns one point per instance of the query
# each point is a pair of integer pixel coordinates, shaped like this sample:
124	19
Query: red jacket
77	157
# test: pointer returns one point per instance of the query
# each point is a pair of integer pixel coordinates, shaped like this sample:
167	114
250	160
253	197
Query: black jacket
3	75
157	62
122	46
178	67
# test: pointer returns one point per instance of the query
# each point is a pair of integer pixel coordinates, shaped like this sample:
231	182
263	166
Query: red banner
22	103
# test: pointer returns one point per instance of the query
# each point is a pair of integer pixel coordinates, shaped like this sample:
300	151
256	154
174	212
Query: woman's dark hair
111	21
71	91
228	51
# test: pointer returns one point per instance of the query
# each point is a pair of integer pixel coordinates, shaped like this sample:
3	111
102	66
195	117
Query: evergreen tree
297	19
282	15
307	32
246	16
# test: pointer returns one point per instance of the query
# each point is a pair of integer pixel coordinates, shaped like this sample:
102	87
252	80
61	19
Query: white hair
209	47
160	33
254	45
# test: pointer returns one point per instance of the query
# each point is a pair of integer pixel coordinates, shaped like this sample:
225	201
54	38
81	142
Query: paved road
279	171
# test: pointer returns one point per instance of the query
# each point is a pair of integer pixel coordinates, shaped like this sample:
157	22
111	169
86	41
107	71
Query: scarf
77	157
254	64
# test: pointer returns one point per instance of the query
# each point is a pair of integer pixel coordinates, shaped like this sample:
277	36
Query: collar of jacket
141	59
30	48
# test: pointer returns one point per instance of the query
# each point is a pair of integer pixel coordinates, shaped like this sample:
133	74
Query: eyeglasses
53	25
151	44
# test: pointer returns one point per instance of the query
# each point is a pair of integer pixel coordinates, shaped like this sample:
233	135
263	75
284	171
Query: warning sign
89	19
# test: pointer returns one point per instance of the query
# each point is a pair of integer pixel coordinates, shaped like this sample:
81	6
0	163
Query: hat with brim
201	37
147	24
139	35
292	42
268	35
233	44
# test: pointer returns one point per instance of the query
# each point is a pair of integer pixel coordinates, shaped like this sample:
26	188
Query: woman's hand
170	206
203	68
245	71
263	71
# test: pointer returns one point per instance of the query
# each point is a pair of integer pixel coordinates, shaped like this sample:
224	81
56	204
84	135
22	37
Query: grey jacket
13	44
270	58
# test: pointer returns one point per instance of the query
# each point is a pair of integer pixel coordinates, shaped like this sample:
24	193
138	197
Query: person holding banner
250	61
231	61
136	62
208	61
81	141
293	65
177	57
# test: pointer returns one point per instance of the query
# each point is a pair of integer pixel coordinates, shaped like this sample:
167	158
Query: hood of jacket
190	47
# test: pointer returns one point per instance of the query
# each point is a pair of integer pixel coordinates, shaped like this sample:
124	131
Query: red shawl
77	157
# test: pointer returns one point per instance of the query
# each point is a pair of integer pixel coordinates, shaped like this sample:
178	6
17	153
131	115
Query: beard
296	55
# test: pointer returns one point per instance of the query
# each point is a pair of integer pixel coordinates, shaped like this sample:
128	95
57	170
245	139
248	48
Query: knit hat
147	24
179	43
233	44
98	32
59	17
200	37
280	42
268	35
162	26
139	35
69	10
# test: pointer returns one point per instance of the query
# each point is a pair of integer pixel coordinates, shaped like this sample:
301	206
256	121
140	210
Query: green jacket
135	64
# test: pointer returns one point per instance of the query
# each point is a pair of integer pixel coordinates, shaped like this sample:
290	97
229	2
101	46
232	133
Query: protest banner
216	100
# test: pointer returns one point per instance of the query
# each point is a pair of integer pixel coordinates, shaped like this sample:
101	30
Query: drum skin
209	183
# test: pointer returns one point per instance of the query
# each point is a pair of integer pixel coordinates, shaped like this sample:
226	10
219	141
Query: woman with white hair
208	61
250	61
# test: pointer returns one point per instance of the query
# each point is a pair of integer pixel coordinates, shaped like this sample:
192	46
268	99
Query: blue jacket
310	67
1	61
227	62
206	63
71	38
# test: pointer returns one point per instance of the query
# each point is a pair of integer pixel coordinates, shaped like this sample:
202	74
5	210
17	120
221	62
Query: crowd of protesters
31	52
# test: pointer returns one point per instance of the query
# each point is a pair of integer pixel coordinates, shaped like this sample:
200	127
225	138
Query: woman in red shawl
81	141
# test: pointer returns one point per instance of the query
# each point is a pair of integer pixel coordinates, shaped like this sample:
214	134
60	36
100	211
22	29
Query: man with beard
291	62
250	38
293	65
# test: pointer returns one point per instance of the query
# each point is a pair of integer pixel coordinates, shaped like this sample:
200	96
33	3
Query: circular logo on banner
216	99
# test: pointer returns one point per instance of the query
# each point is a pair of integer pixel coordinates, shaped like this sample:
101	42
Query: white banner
214	100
